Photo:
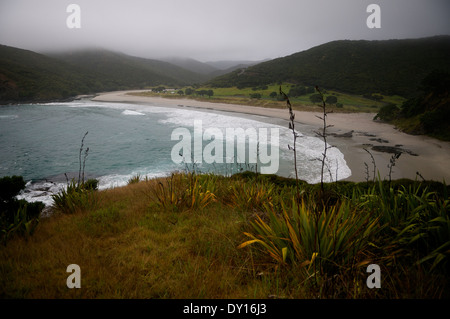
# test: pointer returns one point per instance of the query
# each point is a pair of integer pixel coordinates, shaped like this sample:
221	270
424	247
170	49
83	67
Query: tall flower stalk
296	135
323	134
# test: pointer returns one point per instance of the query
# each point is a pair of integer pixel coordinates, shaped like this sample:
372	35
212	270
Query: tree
387	113
309	89
316	98
273	95
201	92
437	81
331	99
180	92
210	93
158	89
188	91
297	91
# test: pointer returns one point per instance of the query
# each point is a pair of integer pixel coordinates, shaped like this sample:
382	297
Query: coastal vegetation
426	113
303	98
267	236
16	216
171	237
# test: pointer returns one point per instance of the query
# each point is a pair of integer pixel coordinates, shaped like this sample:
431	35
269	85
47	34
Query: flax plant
292	236
181	192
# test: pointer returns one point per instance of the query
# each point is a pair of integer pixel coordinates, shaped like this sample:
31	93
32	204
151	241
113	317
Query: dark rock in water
348	134
367	134
379	140
387	149
392	150
411	153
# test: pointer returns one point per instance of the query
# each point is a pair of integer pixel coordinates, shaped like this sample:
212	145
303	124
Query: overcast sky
213	29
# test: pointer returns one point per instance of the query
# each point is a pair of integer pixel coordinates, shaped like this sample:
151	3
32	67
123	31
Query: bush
16	216
10	187
273	95
387	113
316	98
294	236
412	107
75	197
183	192
297	91
436	121
331	99
255	95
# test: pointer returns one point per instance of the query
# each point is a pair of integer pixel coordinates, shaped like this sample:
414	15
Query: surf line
234	139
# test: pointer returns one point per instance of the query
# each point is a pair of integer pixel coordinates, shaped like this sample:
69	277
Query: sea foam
309	148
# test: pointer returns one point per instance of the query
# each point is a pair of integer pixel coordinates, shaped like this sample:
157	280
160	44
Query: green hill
26	76
426	113
390	67
125	70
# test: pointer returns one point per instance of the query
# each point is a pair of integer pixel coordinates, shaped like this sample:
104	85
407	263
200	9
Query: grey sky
213	29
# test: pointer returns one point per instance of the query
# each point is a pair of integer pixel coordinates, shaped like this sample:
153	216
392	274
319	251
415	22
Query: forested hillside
428	112
26	76
389	67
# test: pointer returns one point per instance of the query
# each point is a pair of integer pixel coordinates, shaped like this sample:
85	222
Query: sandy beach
351	133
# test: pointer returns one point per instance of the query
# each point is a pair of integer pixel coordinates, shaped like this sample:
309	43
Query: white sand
432	160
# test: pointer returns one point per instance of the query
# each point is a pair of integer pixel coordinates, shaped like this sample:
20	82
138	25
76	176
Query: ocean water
41	142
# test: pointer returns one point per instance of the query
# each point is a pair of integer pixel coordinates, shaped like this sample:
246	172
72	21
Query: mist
209	30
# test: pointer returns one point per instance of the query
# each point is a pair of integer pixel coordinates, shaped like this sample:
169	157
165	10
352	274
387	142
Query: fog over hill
205	30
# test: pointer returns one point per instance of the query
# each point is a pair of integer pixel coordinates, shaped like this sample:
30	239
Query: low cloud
212	29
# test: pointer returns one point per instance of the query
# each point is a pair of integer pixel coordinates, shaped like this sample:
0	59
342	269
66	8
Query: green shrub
134	180
331	99
22	224
10	187
331	238
316	98
182	192
387	113
16	216
75	197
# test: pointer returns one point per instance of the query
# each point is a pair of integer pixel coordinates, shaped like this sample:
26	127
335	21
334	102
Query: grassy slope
126	248
129	246
233	95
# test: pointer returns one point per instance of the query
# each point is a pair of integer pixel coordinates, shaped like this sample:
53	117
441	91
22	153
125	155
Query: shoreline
351	133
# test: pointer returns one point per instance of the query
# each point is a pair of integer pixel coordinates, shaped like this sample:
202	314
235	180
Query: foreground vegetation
244	236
